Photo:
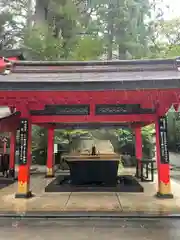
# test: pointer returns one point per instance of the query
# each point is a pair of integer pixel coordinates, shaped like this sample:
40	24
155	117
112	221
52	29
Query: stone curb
88	215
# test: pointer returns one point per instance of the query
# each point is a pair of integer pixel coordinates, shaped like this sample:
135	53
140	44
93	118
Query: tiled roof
90	77
108	74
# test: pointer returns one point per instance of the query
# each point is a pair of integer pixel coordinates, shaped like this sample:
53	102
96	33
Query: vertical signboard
23	144
163	140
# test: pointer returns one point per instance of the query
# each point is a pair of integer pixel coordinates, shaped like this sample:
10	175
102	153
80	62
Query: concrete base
164	196
24	195
62	183
49	176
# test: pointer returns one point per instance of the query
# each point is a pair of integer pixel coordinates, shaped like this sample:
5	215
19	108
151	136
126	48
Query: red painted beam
46	125
97	96
103	92
94	119
36	100
11	124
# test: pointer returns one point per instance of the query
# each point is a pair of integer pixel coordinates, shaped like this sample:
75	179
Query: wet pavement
59	203
127	229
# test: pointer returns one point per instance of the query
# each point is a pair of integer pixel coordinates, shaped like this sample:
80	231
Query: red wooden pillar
12	154
138	149
138	143
5	146
25	157
50	153
164	184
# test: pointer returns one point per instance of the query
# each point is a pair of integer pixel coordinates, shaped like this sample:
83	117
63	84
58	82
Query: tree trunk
41	9
29	16
110	31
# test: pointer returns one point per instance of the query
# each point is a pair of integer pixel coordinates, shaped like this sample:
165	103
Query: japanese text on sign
163	140
23	142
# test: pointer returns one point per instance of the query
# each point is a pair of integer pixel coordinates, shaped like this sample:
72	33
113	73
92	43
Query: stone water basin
98	169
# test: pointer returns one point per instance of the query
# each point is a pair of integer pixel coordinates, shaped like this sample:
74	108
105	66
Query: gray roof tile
91	77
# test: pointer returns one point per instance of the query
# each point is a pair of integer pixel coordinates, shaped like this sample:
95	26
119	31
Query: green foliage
127	141
43	45
39	138
121	139
147	137
87	48
173	131
123	26
6	34
39	141
13	21
166	43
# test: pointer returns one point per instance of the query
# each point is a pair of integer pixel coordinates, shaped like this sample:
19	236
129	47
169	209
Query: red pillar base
47	176
164	196
23	190
164	191
24	195
164	180
50	154
50	173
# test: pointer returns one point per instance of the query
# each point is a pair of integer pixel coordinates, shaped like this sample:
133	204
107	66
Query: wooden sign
23	144
163	140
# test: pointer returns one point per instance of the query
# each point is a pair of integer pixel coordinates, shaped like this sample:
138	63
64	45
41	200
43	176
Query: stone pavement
174	159
122	203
